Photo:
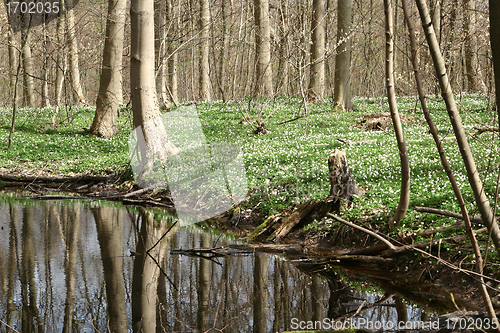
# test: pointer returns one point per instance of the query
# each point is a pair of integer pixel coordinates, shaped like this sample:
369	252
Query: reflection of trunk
260	279
13	248
177	279
146	273
203	287
31	321
73	54
335	308
72	231
401	309
110	235
318	306
278	308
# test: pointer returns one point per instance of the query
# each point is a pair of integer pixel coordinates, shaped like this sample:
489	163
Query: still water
90	266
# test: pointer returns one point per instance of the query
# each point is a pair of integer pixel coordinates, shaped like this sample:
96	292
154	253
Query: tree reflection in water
66	266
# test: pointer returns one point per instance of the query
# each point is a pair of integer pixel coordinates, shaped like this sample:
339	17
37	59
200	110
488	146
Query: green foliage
288	165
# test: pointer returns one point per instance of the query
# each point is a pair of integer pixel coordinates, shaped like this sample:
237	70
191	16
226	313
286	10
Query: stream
94	266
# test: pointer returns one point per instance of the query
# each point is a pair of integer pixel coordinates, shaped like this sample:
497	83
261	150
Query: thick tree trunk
469	22
260	292
317	83
264	73
74	68
205	93
342	90
404	197
456	121
110	88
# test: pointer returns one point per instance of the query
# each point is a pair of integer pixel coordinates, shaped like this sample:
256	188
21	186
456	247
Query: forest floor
286	163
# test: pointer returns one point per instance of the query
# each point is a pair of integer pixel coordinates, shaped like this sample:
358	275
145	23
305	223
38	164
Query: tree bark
110	88
45	76
161	56
469	22
61	62
494	7
78	97
447	94
404	198
317	73
173	60
342	89
27	61
264	73
205	93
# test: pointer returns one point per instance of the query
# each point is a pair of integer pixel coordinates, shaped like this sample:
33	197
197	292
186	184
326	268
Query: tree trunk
161	56
317	83
260	293
153	142
78	97
27	61
173	60
404	197
45	76
456	121
72	233
13	40
283	50
61	61
436	18
495	48
469	22
264	73
205	93
342	90
110	88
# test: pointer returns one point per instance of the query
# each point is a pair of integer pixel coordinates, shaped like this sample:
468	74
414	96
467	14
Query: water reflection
92	266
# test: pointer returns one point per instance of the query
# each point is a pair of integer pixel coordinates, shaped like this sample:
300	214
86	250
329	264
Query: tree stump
342	185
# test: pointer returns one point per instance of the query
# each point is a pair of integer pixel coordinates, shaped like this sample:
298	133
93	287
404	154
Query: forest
367	129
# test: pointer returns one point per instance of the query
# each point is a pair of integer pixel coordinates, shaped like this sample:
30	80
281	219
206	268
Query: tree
205	93
27	60
404	198
146	113
317	83
456	122
161	47
469	44
61	61
264	73
494	7
74	68
110	88
342	90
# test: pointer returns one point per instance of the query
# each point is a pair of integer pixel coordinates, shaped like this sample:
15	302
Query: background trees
226	45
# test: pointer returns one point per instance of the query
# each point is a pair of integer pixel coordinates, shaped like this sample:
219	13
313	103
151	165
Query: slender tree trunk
61	62
436	18
161	48
317	82
78	97
260	293
205	93
45	76
404	198
495	48
470	44
203	288
444	161
342	94
283	66
173	60
456	121
110	88
264	73
27	61
72	232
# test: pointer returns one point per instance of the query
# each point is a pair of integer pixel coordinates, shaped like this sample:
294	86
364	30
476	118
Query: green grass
289	164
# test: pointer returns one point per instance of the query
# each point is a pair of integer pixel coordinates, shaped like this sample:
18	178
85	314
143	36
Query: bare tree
317	73
342	90
27	60
404	198
161	48
74	67
494	7
205	93
110	89
456	121
264	73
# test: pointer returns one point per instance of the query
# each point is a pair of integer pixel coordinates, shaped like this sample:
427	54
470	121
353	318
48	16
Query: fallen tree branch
473	219
352	225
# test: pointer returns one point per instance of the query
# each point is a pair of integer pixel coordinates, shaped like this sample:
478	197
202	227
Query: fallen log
294	219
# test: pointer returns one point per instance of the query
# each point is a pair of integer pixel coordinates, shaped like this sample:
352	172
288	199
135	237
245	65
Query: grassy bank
288	164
